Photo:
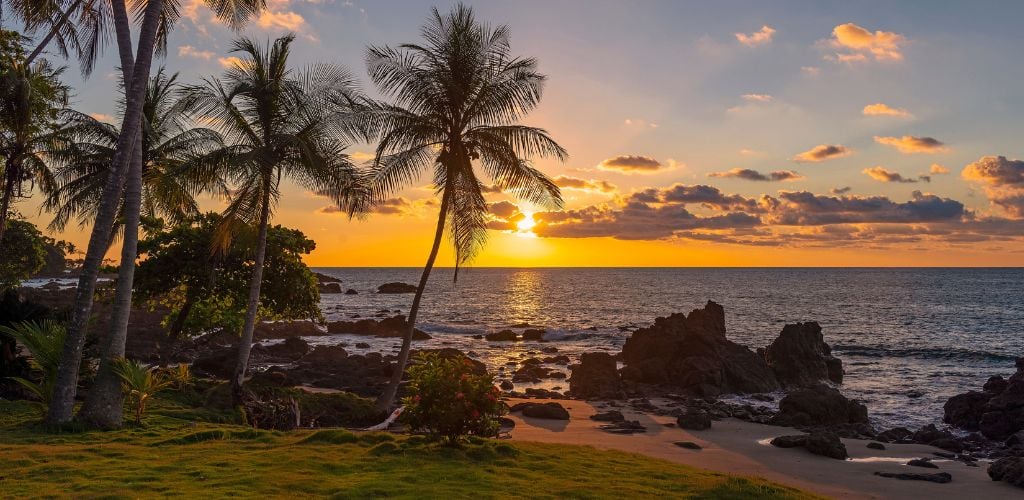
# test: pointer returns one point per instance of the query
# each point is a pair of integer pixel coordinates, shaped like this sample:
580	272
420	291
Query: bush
45	340
449	401
139	383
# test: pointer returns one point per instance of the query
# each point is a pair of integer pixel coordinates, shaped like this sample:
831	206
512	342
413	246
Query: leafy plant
140	383
179	377
45	340
449	400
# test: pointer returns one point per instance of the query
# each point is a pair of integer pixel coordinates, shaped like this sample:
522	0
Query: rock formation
997	411
596	376
800	357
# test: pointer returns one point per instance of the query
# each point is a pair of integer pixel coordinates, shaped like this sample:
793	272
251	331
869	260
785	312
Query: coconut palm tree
456	101
170	143
278	123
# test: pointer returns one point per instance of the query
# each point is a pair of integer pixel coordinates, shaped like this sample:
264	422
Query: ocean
909	338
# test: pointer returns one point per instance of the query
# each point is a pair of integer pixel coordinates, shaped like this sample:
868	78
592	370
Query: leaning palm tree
456	102
170	143
278	123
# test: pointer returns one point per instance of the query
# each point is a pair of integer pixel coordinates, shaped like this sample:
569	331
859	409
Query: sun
525	224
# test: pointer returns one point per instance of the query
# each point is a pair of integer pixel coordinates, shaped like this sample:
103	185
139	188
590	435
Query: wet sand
737	447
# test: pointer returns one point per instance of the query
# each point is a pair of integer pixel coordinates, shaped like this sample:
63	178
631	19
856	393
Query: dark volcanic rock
998	412
291	349
217	363
938	477
326	354
922	462
1009	469
533	334
595	377
329	288
800	357
689	445
323	278
819	443
351	291
286	329
694	421
818	405
692	354
502	336
396	288
792	441
965	410
624	427
549	411
876	446
608	416
395	326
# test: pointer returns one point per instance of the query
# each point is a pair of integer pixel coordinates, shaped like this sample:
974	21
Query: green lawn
172	454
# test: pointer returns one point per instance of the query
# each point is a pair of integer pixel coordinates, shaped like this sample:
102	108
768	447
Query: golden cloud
861	44
762	36
633	164
287	20
881	174
589	185
910	144
880	109
823	152
190	51
937	169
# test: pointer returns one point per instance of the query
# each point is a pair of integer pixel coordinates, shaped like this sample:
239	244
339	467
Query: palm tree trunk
252	307
11	175
62	404
64	15
387	399
104	407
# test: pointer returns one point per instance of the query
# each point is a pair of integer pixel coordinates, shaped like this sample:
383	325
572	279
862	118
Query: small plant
180	377
45	340
140	383
449	400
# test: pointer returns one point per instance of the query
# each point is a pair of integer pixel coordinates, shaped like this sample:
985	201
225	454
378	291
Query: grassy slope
171	455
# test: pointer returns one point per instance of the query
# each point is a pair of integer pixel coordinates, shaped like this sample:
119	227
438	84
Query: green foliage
180	377
24	253
140	383
206	290
45	340
449	400
14	310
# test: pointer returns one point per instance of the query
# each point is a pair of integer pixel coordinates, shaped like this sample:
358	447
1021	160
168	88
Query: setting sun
526	223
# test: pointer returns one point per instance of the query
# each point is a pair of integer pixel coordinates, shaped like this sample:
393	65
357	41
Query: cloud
880	174
856	44
590	185
840	190
754	175
636	122
760	37
805	208
631	164
286	20
880	109
910	144
810	70
392	206
190	51
230	61
102	117
757	97
503	209
1003	180
937	169
823	152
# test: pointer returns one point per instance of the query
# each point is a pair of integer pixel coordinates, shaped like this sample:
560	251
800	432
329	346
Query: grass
173	454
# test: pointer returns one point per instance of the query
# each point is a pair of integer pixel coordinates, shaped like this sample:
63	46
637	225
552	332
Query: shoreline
734	447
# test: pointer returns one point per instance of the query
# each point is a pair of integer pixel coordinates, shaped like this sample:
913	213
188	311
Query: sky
723	133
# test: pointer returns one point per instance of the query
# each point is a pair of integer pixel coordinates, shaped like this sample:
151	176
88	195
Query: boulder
694	421
396	287
876	446
1009	470
800	357
502	336
327	288
965	410
351	291
326	354
691	353
395	326
286	329
322	278
819	443
216	363
689	445
938	477
291	349
533	334
791	441
997	411
818	405
596	376
549	411
608	416
922	462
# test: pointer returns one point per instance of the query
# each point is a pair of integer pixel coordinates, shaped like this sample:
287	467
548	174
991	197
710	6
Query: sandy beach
737	447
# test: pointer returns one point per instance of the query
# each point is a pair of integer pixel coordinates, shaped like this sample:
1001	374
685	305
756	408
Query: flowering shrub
447	399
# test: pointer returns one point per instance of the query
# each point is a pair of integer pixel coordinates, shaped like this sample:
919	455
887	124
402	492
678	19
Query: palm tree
170	177
31	96
456	101
157	20
278	123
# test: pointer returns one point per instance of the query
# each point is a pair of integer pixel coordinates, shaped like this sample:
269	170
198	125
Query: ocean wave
922	352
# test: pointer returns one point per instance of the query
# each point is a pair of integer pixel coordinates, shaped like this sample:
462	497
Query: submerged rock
596	376
501	336
691	353
800	357
396	287
286	329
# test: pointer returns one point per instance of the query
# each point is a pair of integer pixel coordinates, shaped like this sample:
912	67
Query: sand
737	447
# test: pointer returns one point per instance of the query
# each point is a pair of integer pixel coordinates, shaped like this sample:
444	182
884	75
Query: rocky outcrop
501	336
549	411
396	287
997	411
327	288
694	421
819	443
533	334
938	477
395	326
800	357
286	329
291	349
817	406
691	353
1009	470
322	278
596	376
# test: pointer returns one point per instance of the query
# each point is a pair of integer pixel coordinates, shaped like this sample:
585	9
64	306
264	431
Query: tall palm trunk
5	203
64	15
104	407
66	384
387	399
252	307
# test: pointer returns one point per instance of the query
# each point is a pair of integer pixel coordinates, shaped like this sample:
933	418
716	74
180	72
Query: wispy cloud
880	109
754	175
760	37
589	185
856	44
190	51
823	152
634	164
881	174
910	144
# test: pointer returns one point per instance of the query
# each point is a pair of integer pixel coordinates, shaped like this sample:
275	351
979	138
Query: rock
561	359
691	353
876	446
939	477
329	288
395	326
818	405
218	363
396	288
286	329
596	376
997	411
549	411
506	385
533	373
694	421
362	345
948	444
995	385
1009	470
608	416
826	444
324	278
792	441
895	435
965	410
291	349
533	334
689	445
800	357
624	427
326	354
274	376
502	336
351	291
922	462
